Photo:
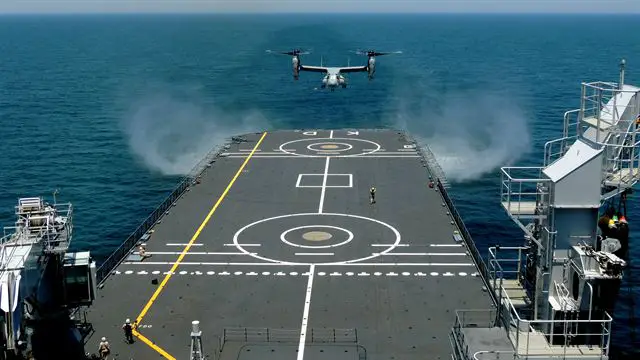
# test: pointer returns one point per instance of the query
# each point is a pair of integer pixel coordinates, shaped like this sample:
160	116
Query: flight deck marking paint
303	156
376	148
348	262
289	273
155	295
194	253
305	313
300	181
424	254
324	184
314	254
284	235
292	264
347	146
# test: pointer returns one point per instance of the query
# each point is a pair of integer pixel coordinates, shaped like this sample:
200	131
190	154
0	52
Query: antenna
622	64
348	61
320	60
196	341
54	196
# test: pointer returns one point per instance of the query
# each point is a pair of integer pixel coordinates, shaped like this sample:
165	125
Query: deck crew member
128	331
372	194
143	252
103	349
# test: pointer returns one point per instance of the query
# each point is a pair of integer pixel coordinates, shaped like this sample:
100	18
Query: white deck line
324	184
314	254
243	245
388	245
421	254
291	263
305	312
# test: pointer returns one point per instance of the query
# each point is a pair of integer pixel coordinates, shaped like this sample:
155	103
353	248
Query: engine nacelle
295	62
371	65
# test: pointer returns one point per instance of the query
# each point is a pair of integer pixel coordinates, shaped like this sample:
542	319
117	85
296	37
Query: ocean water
112	110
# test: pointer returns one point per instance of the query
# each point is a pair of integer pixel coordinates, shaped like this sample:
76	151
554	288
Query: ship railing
622	163
607	112
601	100
466	236
435	170
524	194
529	337
476	319
555	149
506	262
247	336
316	335
130	242
54	238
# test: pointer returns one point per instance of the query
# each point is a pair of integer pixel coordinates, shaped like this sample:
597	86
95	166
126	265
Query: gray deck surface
399	299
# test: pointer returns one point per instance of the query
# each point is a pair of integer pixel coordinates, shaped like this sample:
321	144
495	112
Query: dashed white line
291	264
174	244
295	273
446	245
243	245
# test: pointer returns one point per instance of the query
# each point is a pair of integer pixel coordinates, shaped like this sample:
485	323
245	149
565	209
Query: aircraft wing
352	69
321	69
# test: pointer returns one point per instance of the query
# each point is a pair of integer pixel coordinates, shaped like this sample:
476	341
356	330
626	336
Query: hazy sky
262	6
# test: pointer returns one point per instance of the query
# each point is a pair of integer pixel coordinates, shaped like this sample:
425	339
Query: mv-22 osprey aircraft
333	75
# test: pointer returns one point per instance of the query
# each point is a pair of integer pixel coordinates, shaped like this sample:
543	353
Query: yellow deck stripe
152	345
184	252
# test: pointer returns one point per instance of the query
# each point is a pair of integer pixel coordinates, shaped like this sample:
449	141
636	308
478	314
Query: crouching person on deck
142	251
103	349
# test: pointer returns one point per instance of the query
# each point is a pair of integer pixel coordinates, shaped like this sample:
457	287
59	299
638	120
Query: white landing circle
284	235
329	146
391	247
371	145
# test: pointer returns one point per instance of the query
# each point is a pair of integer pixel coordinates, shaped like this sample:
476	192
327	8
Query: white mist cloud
171	135
470	134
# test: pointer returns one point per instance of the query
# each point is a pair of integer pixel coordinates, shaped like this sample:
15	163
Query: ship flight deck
279	254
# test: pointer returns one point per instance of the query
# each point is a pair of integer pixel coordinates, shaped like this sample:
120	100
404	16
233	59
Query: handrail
466	236
118	255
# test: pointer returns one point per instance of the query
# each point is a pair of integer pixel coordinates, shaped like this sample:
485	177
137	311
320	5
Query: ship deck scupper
279	254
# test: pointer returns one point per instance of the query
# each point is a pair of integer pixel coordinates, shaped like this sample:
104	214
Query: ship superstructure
43	288
556	292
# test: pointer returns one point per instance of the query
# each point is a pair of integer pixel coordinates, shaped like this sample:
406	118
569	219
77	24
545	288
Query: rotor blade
294	52
375	53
